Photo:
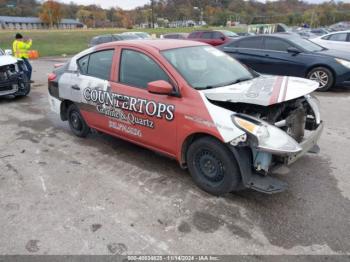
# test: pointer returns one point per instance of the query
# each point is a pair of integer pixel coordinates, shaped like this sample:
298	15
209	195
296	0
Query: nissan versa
230	126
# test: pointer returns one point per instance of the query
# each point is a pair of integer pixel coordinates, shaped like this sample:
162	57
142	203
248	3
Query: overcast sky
125	4
129	4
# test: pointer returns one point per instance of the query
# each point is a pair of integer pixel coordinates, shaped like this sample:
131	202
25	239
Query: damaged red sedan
230	126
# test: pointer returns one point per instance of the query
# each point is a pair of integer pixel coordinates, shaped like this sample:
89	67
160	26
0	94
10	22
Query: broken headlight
269	138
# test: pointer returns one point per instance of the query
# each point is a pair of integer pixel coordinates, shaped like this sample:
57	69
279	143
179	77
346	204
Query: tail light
51	77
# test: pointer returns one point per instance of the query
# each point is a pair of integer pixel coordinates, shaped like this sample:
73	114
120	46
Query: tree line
213	12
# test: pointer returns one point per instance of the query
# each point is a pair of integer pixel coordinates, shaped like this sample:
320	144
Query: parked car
212	37
101	39
286	54
175	36
319	31
13	78
335	41
142	35
192	102
245	34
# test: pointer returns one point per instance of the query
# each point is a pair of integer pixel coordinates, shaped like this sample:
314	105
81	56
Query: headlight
256	129
270	138
343	62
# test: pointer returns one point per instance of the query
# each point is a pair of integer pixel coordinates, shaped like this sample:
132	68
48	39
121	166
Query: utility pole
152	13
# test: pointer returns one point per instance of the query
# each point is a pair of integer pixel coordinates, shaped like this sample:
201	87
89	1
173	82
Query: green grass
69	42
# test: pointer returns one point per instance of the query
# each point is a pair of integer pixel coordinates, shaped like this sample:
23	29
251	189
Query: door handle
75	87
267	55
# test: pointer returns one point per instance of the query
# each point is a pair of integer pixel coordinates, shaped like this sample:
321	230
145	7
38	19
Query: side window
83	64
137	69
276	44
97	64
217	35
194	35
206	35
338	37
254	43
100	64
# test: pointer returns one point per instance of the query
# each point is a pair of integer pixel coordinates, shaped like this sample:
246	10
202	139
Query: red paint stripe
285	90
276	90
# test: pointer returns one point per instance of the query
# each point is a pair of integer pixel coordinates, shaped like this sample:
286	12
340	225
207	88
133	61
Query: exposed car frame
13	78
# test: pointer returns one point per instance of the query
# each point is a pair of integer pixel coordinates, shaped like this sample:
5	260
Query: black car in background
288	54
101	39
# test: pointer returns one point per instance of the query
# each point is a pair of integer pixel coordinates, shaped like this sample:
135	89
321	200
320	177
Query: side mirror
160	87
8	52
223	38
293	50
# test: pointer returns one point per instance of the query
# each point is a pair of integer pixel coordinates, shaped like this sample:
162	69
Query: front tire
323	76
213	166
76	122
24	86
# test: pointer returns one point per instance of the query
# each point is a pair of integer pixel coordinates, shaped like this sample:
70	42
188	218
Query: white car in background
336	41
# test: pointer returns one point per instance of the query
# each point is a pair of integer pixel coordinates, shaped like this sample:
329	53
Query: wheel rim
76	121
209	166
321	77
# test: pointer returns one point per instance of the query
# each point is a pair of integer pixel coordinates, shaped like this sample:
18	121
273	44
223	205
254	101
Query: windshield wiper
225	84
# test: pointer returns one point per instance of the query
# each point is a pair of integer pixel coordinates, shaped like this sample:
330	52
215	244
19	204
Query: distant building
182	23
28	23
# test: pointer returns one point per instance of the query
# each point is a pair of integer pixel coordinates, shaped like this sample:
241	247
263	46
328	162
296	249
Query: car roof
158	44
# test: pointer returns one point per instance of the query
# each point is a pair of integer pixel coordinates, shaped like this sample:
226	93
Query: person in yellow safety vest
21	47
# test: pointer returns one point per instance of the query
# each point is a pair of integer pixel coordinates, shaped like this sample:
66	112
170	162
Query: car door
92	77
248	51
144	117
218	38
279	61
206	37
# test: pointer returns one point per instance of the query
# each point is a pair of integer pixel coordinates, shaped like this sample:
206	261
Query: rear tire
323	76
213	166
76	122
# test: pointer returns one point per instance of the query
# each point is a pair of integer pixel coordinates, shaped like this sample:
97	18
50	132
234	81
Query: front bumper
309	142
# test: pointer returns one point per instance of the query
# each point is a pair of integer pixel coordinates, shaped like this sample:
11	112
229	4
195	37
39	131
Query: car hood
7	60
335	53
263	90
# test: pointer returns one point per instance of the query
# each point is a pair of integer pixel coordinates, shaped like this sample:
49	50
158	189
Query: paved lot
63	195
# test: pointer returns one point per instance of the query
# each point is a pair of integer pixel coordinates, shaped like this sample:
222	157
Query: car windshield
205	67
307	45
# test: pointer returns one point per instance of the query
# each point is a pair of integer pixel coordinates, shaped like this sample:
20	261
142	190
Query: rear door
207	37
143	117
218	38
91	79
